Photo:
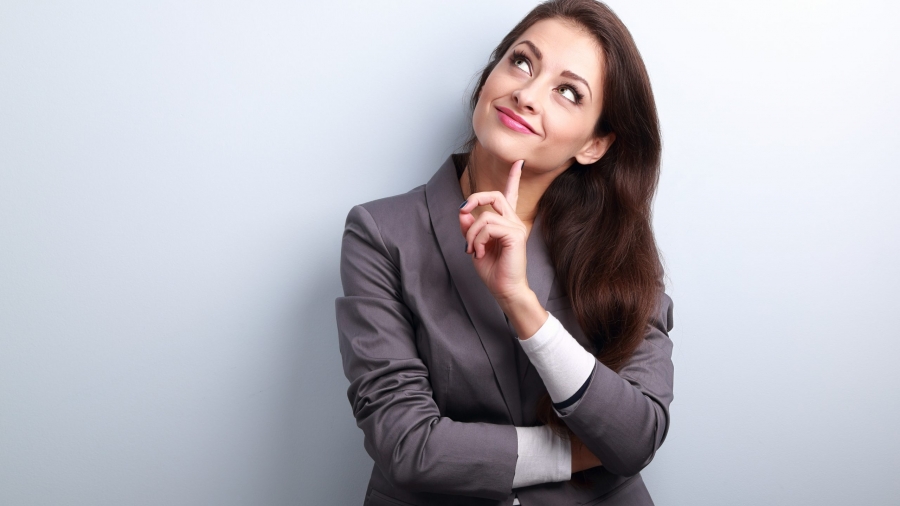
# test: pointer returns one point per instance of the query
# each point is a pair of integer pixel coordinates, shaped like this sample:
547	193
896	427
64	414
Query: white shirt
565	367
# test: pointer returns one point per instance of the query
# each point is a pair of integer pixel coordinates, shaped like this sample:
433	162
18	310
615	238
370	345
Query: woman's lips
514	121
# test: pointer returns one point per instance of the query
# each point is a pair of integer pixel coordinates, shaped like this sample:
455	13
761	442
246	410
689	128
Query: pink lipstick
513	121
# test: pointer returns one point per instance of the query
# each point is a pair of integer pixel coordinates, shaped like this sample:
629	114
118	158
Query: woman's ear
595	148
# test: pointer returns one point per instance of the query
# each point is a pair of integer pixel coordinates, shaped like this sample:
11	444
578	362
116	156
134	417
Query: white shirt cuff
544	457
563	364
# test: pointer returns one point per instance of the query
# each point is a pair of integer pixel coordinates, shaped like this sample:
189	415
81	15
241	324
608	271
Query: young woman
504	327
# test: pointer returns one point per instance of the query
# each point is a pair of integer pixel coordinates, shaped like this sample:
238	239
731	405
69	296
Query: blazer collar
443	196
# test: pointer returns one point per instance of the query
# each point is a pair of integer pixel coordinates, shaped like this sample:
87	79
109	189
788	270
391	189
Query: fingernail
523	164
464	203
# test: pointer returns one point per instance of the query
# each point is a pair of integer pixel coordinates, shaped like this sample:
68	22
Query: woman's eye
567	92
522	64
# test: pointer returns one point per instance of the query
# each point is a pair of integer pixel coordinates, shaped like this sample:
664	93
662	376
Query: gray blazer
438	382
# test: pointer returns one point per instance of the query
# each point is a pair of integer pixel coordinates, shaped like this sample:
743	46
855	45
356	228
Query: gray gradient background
174	177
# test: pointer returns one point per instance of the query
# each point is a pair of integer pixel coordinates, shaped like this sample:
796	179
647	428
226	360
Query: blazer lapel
540	269
444	195
540	272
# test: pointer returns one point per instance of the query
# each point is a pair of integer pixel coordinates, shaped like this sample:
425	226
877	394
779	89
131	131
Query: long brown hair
596	219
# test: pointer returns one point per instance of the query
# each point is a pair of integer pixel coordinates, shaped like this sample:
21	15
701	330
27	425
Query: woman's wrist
582	458
525	312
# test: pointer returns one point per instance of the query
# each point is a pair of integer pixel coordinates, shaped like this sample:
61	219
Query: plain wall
174	178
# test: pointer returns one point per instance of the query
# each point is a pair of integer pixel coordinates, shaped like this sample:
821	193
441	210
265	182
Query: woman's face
551	78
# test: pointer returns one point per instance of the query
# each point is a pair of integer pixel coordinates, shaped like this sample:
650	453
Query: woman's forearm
565	368
543	457
563	364
525	312
546	457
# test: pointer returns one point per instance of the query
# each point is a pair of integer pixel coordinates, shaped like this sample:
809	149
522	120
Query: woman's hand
497	238
582	458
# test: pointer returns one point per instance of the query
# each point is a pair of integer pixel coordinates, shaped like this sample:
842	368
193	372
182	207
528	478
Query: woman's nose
526	98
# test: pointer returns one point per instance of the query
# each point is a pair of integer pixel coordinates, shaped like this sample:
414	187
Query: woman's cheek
563	138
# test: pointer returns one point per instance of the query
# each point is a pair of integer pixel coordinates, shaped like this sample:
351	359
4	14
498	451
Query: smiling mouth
513	121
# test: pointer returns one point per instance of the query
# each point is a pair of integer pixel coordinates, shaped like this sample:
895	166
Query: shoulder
388	212
394	223
410	210
665	312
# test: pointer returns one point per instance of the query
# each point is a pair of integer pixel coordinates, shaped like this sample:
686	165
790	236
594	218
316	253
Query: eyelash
578	96
518	55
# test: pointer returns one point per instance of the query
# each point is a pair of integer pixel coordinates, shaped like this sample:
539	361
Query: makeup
513	121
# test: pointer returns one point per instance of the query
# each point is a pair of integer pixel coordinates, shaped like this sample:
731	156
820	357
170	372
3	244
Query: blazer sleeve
411	443
623	417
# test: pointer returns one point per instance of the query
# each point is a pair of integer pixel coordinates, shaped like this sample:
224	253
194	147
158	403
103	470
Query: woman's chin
508	150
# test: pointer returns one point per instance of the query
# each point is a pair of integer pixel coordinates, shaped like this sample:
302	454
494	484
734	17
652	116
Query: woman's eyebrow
534	49
573	75
566	73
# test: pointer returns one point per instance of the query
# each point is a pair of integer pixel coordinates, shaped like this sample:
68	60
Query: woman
504	327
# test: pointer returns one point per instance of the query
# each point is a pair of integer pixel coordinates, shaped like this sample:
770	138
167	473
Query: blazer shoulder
397	206
395	216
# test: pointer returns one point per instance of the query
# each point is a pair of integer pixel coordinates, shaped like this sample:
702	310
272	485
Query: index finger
512	183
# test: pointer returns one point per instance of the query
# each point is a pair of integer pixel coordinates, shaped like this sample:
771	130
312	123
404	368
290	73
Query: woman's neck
491	174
